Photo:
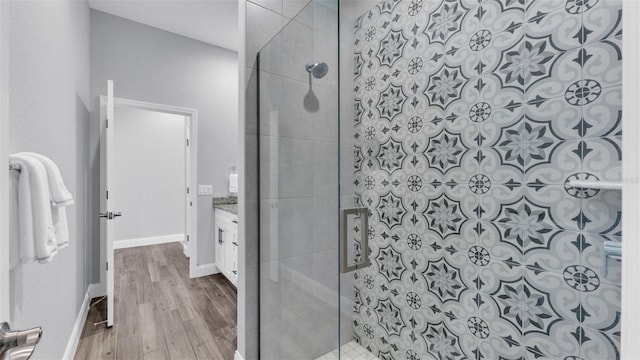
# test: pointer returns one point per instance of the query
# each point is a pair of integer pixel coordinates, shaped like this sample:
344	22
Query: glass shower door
298	199
484	239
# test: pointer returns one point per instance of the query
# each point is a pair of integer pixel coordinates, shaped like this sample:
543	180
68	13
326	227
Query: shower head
318	70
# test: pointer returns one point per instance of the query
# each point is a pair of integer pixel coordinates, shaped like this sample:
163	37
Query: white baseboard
203	270
152	240
97	290
237	356
74	339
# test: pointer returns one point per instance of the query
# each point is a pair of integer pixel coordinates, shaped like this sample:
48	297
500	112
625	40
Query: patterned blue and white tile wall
471	117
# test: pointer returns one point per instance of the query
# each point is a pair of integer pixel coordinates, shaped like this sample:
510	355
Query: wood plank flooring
160	313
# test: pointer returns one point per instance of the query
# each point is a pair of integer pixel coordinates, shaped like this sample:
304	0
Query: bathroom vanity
226	237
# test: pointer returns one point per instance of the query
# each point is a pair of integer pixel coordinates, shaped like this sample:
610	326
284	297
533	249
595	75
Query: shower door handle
364	239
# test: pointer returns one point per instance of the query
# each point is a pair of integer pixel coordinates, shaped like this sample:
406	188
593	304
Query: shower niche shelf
589	184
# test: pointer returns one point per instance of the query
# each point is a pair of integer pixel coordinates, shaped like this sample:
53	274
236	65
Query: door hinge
187	142
107	194
187	238
187	190
107	122
190	203
107	266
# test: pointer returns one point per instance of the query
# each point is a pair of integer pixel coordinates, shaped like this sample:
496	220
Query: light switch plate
205	189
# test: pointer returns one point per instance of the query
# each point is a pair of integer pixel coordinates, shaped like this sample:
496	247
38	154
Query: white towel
59	217
60	196
35	223
233	183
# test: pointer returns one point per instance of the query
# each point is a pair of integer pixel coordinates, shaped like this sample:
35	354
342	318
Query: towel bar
612	251
585	184
614	257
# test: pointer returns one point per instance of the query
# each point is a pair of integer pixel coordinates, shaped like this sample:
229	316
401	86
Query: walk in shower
470	151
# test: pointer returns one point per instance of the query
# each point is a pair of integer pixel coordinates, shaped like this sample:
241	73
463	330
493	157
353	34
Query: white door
107	176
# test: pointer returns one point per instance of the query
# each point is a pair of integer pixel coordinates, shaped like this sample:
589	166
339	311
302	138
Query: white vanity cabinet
226	244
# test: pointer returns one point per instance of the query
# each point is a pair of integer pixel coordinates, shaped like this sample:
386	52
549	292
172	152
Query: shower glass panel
483	140
299	182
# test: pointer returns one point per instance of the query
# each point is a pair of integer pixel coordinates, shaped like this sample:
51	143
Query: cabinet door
234	253
228	249
220	230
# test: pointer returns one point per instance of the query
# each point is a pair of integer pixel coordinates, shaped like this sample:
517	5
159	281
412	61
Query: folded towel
59	217
60	196
35	223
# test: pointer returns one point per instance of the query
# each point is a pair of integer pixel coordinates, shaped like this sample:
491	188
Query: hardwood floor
160	313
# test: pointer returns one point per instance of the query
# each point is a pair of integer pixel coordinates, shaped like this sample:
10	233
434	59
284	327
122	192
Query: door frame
191	175
5	305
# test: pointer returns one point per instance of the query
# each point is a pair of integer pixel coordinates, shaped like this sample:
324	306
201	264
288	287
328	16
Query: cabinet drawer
225	215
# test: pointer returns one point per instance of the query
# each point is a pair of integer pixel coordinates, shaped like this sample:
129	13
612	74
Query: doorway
150	134
152	182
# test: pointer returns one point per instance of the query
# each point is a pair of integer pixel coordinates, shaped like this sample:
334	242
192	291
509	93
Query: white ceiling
212	21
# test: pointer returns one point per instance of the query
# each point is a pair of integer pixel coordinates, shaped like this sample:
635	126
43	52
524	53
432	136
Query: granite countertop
228	203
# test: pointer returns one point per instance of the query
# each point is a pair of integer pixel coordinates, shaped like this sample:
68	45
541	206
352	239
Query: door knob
18	344
23	352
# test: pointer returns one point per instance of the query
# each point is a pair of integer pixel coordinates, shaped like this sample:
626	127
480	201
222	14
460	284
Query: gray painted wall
156	66
49	101
150	173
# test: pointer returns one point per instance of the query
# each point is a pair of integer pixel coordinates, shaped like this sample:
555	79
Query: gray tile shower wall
470	119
